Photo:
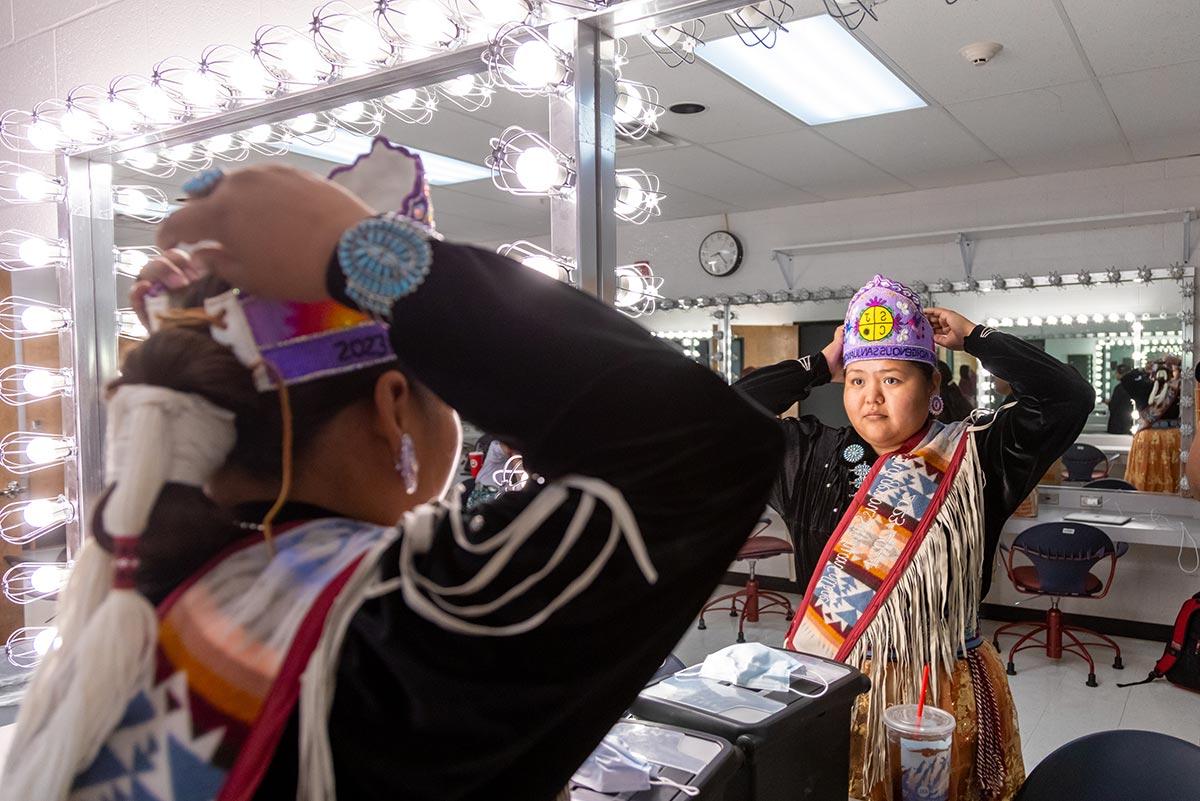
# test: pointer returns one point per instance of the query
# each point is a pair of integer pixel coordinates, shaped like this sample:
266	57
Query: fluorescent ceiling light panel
346	147
816	72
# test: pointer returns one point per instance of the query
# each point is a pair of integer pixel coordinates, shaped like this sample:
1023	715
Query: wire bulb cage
78	116
852	13
30	132
21	250
512	477
470	92
21	384
309	128
242	74
637	291
26	318
194	85
484	17
265	139
147	162
24	186
225	147
362	117
26	582
141	202
637	109
24	452
23	522
153	105
412	106
675	45
187	156
291	57
638	196
760	23
540	260
420	27
521	59
129	326
349	40
525	163
27	645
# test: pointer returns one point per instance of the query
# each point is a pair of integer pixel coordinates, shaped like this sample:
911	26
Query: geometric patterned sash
232	644
876	540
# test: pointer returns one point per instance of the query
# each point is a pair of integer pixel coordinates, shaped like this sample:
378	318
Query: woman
1154	454
457	656
921	506
956	406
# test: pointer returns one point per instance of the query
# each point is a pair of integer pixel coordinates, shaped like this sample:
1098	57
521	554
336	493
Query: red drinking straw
924	689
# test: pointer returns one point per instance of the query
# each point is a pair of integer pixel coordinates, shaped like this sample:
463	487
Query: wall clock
720	254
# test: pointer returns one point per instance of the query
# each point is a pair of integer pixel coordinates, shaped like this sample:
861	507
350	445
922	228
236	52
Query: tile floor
1054	706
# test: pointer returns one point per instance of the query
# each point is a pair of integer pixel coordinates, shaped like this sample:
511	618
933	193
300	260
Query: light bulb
40	320
404	100
355	39
133	200
1096	318
118	116
45	512
35	186
1023	321
35	252
44	640
1035	320
351	112
181	152
758	15
630	195
303	124
77	125
44	450
302	61
141	159
461	86
44	136
1129	317
259	134
47	579
631	288
248	77
538	170
536	64
1114	317
498	12
220	143
629	106
426	23
155	104
200	89
669	35
41	383
543	264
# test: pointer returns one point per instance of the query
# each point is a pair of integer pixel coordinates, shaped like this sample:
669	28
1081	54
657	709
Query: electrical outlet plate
1091	501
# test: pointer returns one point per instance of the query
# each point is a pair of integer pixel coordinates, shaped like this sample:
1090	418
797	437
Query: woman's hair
947	375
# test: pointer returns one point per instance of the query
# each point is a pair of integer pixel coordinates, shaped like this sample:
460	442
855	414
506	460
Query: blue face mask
757	667
614	768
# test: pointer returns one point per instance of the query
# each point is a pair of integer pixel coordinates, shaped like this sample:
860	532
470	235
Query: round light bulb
155	104
1129	318
498	12
1096	318
426	23
181	152
221	143
43	512
404	100
44	640
201	90
248	78
118	116
538	170
35	186
40	320
536	65
355	39
47	579
133	260
1052	320
543	264
141	159
669	35
461	86
1114	317
351	112
1035	320
78	125
259	134
303	124
630	105
44	136
758	15
40	383
302	61
35	252
44	450
630	196
1023	321
631	288
133	200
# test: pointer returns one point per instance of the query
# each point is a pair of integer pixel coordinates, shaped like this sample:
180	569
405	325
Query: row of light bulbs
637	287
1067	319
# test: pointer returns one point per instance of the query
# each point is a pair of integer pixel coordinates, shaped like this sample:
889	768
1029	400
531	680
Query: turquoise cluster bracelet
384	259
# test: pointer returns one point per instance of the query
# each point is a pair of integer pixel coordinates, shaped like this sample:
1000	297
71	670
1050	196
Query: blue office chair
1061	556
1116	766
1084	463
1111	483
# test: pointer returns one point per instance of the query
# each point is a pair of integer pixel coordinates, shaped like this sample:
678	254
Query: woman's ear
937	382
392	396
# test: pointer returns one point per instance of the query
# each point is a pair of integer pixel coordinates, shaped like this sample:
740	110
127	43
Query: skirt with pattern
986	759
1154	460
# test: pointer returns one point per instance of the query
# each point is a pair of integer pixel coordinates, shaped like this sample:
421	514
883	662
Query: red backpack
1180	663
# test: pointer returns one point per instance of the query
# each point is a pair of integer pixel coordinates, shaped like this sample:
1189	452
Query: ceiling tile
805	159
680	204
924	40
1047	130
710	174
1127	36
1159	109
449	133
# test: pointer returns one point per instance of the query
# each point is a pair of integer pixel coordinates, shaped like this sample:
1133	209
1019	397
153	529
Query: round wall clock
720	254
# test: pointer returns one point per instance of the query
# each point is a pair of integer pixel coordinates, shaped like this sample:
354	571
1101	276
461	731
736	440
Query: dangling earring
406	464
936	405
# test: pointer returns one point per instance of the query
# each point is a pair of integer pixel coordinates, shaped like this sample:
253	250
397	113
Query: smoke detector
980	53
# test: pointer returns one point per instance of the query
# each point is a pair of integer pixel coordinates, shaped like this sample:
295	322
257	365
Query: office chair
1116	766
1111	483
1062	556
748	601
1084	463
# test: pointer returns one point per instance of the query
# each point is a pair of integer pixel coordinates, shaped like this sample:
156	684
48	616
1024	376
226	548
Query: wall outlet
1048	498
1094	501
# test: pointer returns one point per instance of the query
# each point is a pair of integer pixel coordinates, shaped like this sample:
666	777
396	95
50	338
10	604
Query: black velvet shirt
818	476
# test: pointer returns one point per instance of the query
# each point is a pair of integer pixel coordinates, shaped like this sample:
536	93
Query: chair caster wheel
1118	664
789	616
1091	682
1011	670
996	645
701	625
733	613
741	637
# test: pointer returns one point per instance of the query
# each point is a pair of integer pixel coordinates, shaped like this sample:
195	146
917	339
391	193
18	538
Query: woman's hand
267	229
833	356
950	329
173	270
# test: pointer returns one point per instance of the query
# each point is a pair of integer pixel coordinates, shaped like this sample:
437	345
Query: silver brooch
860	471
854	453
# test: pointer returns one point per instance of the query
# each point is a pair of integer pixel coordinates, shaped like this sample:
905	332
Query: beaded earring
936	405
406	464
